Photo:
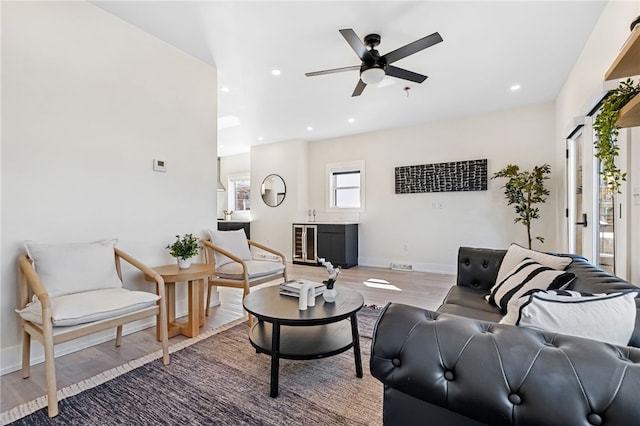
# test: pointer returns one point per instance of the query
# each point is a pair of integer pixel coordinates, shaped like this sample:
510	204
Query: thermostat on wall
159	165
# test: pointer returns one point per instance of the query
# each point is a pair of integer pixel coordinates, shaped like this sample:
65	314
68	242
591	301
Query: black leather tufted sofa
464	369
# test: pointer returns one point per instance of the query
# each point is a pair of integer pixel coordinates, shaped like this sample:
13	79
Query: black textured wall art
442	177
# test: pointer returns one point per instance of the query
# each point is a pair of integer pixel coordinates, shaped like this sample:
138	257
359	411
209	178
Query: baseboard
436	268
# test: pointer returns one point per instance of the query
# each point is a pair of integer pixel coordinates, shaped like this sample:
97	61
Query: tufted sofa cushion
469	302
504	375
478	267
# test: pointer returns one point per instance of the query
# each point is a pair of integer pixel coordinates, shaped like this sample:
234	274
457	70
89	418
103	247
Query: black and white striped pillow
526	276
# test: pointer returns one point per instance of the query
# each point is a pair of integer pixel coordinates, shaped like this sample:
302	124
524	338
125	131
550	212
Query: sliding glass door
576	213
611	208
606	226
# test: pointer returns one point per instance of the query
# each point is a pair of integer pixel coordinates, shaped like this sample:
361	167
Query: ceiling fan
374	66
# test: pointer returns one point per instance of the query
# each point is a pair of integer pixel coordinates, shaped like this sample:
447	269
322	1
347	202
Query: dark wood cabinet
337	243
227	225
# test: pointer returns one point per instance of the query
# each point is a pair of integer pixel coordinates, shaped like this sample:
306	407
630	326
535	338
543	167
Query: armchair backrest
234	242
74	268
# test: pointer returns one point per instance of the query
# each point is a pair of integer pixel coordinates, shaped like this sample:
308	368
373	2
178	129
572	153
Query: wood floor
378	286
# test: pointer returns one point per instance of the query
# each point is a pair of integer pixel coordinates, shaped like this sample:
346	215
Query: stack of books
292	287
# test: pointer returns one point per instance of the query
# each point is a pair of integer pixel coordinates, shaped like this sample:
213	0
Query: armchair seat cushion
255	269
90	306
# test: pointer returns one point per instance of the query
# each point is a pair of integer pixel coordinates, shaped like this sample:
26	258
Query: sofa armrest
505	375
478	267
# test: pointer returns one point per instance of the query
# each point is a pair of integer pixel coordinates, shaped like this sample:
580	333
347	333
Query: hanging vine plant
606	147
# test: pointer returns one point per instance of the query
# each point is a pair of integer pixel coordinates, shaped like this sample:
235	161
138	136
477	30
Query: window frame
333	169
231	195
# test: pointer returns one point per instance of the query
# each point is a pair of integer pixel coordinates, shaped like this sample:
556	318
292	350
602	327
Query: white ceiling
487	48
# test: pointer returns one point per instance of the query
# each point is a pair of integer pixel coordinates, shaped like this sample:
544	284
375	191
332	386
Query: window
346	185
239	192
347	189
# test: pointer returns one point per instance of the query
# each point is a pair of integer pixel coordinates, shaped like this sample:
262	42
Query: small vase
329	296
227	217
184	263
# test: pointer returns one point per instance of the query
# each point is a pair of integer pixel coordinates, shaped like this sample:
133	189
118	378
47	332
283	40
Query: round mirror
273	190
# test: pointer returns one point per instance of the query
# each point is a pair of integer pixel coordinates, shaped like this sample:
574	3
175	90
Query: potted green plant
525	189
604	125
183	249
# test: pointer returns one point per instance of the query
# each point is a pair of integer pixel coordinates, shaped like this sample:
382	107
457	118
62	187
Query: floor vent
270	257
401	267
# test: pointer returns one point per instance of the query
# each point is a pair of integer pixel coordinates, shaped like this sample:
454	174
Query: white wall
272	225
88	101
584	85
406	228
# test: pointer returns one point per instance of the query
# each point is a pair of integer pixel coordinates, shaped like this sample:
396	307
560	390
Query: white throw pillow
526	276
90	306
72	268
234	242
609	318
516	254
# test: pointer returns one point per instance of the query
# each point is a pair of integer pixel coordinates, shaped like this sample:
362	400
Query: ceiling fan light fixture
372	75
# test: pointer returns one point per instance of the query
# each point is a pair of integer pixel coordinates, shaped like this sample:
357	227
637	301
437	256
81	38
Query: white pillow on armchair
232	241
73	268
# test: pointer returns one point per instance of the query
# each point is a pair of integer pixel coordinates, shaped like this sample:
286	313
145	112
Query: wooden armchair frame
48	335
245	283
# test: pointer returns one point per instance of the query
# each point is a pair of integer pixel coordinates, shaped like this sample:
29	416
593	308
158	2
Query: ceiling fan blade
404	74
359	88
332	71
412	48
356	44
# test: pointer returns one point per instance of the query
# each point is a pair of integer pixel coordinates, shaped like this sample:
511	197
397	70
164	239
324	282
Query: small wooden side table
196	276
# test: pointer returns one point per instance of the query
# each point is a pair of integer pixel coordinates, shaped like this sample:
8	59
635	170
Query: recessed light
514	87
260	138
225	89
351	120
309	128
276	72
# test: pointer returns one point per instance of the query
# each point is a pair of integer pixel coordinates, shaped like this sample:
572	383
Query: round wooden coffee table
284	331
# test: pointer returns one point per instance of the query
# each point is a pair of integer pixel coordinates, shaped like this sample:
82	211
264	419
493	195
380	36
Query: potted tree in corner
525	189
183	249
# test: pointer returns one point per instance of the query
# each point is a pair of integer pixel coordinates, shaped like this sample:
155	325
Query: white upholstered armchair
71	290
236	266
